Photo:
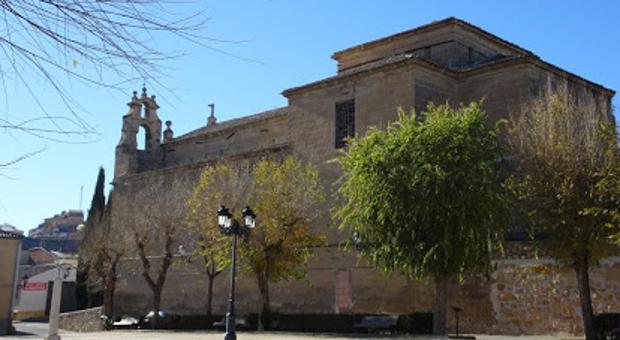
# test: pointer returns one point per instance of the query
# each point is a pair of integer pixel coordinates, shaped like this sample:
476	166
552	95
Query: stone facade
446	61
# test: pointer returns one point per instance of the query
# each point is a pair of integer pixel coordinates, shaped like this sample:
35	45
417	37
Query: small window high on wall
345	122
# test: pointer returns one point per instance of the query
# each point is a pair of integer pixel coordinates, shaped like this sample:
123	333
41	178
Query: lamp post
230	226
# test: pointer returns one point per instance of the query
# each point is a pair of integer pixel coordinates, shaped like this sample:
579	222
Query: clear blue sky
293	41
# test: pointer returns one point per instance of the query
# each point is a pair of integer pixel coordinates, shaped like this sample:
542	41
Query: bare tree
156	283
154	233
97	43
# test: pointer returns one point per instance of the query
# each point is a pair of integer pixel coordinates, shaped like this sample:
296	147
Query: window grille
345	122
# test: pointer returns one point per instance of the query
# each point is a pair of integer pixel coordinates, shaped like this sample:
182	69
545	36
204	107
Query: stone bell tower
142	115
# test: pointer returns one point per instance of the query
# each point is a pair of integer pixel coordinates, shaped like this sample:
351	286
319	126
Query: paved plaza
33	330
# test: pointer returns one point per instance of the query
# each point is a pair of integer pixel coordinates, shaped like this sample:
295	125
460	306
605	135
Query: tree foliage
218	185
100	249
567	179
426	195
284	195
97	204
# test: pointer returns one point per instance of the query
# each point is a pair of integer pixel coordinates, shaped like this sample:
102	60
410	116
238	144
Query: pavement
38	330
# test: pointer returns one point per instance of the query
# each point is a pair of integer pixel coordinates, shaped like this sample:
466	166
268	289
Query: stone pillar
55	307
10	245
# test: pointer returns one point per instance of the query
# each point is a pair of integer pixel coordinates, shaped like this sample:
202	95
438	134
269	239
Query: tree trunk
441	306
212	273
81	290
156	305
265	310
108	297
210	295
583	284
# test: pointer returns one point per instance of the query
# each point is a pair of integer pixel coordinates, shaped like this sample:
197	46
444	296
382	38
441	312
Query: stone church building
444	61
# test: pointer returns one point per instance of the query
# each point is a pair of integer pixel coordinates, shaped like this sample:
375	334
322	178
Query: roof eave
337	78
532	59
435	25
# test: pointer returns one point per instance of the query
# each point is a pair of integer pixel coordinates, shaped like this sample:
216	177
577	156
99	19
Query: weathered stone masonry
445	61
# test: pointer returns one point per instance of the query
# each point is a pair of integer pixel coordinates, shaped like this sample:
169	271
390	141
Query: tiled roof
229	124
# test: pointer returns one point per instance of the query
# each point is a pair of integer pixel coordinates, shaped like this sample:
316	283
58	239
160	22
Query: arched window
143	137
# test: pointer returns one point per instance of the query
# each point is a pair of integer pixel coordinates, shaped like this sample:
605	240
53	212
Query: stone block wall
87	320
529	297
541	296
265	130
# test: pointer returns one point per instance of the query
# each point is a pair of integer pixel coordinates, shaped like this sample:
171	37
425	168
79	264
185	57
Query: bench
240	322
378	323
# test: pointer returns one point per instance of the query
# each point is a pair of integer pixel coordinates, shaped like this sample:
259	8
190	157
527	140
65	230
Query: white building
36	283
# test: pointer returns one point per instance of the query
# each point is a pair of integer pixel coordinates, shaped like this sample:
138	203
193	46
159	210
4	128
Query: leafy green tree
107	249
567	180
426	196
100	250
86	290
284	195
217	185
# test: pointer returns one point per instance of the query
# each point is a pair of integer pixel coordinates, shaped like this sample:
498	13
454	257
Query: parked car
166	320
126	322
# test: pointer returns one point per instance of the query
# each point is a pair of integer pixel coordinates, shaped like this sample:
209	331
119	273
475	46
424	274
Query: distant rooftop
10	235
10	228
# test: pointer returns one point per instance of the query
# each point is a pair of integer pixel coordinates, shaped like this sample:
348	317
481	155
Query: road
35	330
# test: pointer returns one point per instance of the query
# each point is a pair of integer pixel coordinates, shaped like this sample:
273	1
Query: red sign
35	286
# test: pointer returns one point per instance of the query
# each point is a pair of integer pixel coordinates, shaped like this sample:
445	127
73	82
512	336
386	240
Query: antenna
81	192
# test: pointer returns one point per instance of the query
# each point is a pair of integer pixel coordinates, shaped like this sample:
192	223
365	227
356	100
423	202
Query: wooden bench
378	323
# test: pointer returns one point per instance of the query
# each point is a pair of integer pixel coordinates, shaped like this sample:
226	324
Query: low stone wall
541	296
87	320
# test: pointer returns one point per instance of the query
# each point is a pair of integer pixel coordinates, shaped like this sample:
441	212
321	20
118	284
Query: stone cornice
284	147
432	26
457	75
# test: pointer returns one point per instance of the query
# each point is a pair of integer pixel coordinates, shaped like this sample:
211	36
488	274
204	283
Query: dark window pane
345	121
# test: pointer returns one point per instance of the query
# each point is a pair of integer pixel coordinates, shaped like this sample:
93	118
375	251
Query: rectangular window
343	291
345	122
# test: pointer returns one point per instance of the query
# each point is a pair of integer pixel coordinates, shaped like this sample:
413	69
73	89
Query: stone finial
168	133
134	104
144	95
212	120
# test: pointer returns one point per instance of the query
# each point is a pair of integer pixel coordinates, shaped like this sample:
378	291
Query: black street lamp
358	242
229	226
